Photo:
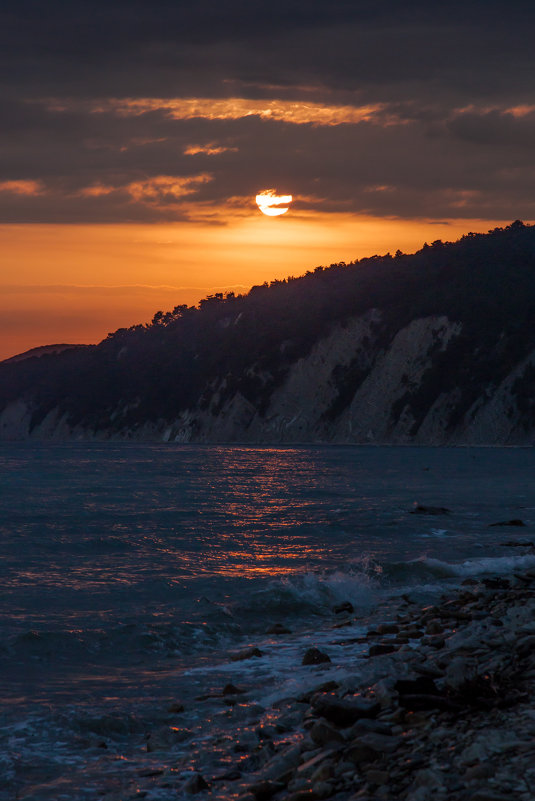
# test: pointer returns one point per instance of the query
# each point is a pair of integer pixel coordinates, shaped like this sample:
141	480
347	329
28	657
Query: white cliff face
401	368
495	420
353	386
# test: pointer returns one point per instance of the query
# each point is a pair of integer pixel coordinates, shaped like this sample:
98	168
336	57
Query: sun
271	204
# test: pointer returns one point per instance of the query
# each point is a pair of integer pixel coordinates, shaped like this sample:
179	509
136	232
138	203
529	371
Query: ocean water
131	574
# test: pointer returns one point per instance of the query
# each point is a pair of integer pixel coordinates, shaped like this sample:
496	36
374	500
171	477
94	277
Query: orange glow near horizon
76	283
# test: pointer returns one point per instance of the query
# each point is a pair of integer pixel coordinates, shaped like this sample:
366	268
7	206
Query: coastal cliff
437	347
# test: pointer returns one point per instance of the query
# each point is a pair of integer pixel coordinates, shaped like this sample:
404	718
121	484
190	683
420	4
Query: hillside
434	347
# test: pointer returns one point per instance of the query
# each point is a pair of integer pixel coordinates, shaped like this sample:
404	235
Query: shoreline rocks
449	715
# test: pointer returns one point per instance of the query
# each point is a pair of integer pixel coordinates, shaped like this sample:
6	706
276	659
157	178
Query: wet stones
315	657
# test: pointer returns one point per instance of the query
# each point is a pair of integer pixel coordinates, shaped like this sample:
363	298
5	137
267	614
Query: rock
231	689
229	776
377	776
388	628
315	657
518	544
383	691
175	707
380	649
515	522
422	684
278	628
525	645
496	583
302	795
434	627
435	642
325	771
364	726
195	784
262	791
323	734
326	687
247	654
345	712
166	737
322	789
428	669
282	763
309	767
429	510
482	770
370	747
427	778
346	606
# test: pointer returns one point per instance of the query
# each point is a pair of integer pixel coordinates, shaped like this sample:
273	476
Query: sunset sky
135	137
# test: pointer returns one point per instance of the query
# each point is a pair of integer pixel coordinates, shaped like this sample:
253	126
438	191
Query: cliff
437	347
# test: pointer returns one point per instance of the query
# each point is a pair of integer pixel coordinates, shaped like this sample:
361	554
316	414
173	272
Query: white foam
477	567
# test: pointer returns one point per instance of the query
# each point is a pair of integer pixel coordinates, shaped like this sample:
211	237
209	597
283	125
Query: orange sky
76	283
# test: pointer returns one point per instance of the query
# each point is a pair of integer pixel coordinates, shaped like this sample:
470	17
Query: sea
133	575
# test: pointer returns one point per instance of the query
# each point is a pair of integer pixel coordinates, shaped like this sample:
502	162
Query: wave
425	568
501	565
312	593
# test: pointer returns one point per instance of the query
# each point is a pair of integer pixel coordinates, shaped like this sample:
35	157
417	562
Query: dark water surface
130	572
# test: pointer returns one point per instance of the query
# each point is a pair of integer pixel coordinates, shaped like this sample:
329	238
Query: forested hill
436	346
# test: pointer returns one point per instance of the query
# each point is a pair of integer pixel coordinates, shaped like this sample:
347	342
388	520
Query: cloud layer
160	112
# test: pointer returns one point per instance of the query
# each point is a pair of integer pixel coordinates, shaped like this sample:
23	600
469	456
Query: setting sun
271	204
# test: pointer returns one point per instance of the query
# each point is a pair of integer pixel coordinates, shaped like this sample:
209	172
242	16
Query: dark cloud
452	137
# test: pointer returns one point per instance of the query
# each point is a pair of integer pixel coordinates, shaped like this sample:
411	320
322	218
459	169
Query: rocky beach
266	623
442	709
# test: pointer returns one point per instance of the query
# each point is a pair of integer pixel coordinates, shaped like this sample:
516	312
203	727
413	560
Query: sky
134	137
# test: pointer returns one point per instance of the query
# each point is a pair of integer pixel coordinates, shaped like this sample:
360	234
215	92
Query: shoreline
440	708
